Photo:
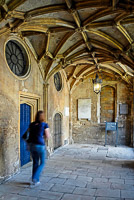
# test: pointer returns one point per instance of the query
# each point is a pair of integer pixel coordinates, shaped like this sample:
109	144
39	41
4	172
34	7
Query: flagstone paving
78	172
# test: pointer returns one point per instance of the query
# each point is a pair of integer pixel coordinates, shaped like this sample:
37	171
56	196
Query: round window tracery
58	81
16	58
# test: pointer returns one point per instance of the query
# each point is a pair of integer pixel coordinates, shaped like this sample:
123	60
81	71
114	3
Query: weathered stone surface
57	101
116	180
78	183
81	188
57	180
10	86
63	188
107	193
85	191
91	132
76	197
127	194
50	195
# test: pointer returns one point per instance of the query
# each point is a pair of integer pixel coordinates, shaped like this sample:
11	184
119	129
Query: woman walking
38	132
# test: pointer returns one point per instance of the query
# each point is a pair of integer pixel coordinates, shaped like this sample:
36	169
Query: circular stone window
17	58
58	81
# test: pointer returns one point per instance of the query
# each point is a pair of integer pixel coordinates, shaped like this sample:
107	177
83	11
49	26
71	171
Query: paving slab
95	185
127	194
116	180
58	180
107	193
77	197
122	186
63	188
84	191
17	197
50	195
78	183
65	175
106	198
78	172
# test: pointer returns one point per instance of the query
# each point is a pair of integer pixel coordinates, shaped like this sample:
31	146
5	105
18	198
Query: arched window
107	100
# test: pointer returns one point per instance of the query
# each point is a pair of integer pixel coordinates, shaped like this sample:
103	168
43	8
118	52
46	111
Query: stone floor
78	172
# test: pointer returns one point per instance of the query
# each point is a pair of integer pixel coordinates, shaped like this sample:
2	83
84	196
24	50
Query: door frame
32	100
61	127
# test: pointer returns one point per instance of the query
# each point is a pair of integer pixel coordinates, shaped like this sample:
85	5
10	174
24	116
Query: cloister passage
51	55
80	172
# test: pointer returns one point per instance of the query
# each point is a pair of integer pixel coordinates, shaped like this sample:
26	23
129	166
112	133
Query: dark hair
37	117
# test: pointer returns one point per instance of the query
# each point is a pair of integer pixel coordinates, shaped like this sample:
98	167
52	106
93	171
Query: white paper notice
84	109
66	111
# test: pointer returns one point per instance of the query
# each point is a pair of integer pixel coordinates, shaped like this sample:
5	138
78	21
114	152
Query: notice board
84	109
124	109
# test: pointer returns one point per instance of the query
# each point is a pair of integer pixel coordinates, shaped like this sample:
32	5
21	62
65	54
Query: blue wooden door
25	119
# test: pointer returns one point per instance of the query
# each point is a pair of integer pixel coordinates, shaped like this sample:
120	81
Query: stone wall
107	103
10	86
57	103
84	131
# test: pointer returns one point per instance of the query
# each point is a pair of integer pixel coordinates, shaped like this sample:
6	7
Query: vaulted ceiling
79	36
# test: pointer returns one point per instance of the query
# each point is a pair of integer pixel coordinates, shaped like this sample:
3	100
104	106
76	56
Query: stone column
133	117
45	106
45	100
70	119
98	108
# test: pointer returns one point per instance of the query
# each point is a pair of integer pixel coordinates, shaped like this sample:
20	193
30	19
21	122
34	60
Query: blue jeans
38	155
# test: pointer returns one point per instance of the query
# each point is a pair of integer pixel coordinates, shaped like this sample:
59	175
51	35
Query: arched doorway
25	119
57	130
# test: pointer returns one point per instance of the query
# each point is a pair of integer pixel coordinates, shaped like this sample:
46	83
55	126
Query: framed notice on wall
124	109
84	109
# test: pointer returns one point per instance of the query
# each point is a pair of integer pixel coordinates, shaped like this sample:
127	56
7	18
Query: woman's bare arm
47	133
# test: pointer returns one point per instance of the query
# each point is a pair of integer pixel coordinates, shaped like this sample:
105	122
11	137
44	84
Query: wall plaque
84	109
123	109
